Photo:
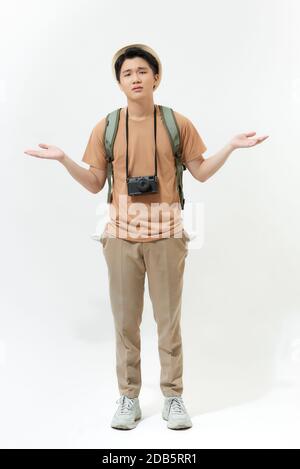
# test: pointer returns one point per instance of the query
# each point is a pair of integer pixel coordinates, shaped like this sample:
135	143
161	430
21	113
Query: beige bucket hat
141	46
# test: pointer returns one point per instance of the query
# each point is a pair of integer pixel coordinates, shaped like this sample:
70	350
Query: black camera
140	185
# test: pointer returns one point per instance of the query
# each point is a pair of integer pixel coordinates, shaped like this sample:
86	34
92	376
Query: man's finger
34	153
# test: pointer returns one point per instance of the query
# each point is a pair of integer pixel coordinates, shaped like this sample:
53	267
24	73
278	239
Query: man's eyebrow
129	69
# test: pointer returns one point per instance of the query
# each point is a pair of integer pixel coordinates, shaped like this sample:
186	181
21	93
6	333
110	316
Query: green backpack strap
112	123
171	125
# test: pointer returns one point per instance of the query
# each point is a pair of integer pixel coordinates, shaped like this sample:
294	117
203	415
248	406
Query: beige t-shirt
149	216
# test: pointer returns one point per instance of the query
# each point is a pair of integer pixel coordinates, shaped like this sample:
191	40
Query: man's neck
140	110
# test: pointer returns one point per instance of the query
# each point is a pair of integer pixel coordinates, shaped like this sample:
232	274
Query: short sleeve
94	153
192	144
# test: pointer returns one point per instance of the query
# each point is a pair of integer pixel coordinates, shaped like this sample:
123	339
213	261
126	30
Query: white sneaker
127	413
175	413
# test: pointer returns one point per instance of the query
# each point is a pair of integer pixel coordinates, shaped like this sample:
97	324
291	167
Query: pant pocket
103	240
186	236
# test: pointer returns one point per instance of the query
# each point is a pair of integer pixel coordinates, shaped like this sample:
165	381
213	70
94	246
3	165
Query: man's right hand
50	151
93	179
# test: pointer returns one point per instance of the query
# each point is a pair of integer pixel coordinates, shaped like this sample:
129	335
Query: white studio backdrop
230	67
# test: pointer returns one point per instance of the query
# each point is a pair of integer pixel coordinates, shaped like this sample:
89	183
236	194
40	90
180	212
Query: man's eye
129	74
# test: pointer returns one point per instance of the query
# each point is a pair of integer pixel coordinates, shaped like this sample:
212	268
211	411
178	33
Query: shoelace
177	405
126	404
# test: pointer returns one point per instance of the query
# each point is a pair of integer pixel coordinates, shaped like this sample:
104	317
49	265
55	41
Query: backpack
169	120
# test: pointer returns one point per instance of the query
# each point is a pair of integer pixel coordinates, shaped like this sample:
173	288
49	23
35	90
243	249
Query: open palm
243	140
50	152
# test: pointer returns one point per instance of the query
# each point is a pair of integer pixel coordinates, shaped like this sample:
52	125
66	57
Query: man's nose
136	78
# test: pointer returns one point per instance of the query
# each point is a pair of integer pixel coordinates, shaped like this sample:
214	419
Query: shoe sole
124	426
178	426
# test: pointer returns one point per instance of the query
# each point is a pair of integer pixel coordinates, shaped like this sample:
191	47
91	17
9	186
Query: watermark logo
157	219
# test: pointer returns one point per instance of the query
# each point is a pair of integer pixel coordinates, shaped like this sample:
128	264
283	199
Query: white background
230	67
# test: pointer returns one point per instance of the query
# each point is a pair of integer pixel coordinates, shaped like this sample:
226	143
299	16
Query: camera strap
155	153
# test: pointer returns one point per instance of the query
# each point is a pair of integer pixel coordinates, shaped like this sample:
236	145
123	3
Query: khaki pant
127	262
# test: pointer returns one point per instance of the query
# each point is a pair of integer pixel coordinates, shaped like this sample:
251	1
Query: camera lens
143	185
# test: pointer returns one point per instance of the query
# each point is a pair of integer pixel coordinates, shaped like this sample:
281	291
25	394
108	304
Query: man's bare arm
92	179
202	170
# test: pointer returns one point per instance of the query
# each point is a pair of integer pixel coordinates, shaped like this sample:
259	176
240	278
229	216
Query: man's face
137	72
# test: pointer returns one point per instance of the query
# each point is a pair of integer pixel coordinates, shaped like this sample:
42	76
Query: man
145	232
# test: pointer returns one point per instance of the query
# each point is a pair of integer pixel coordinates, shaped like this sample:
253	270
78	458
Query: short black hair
132	52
